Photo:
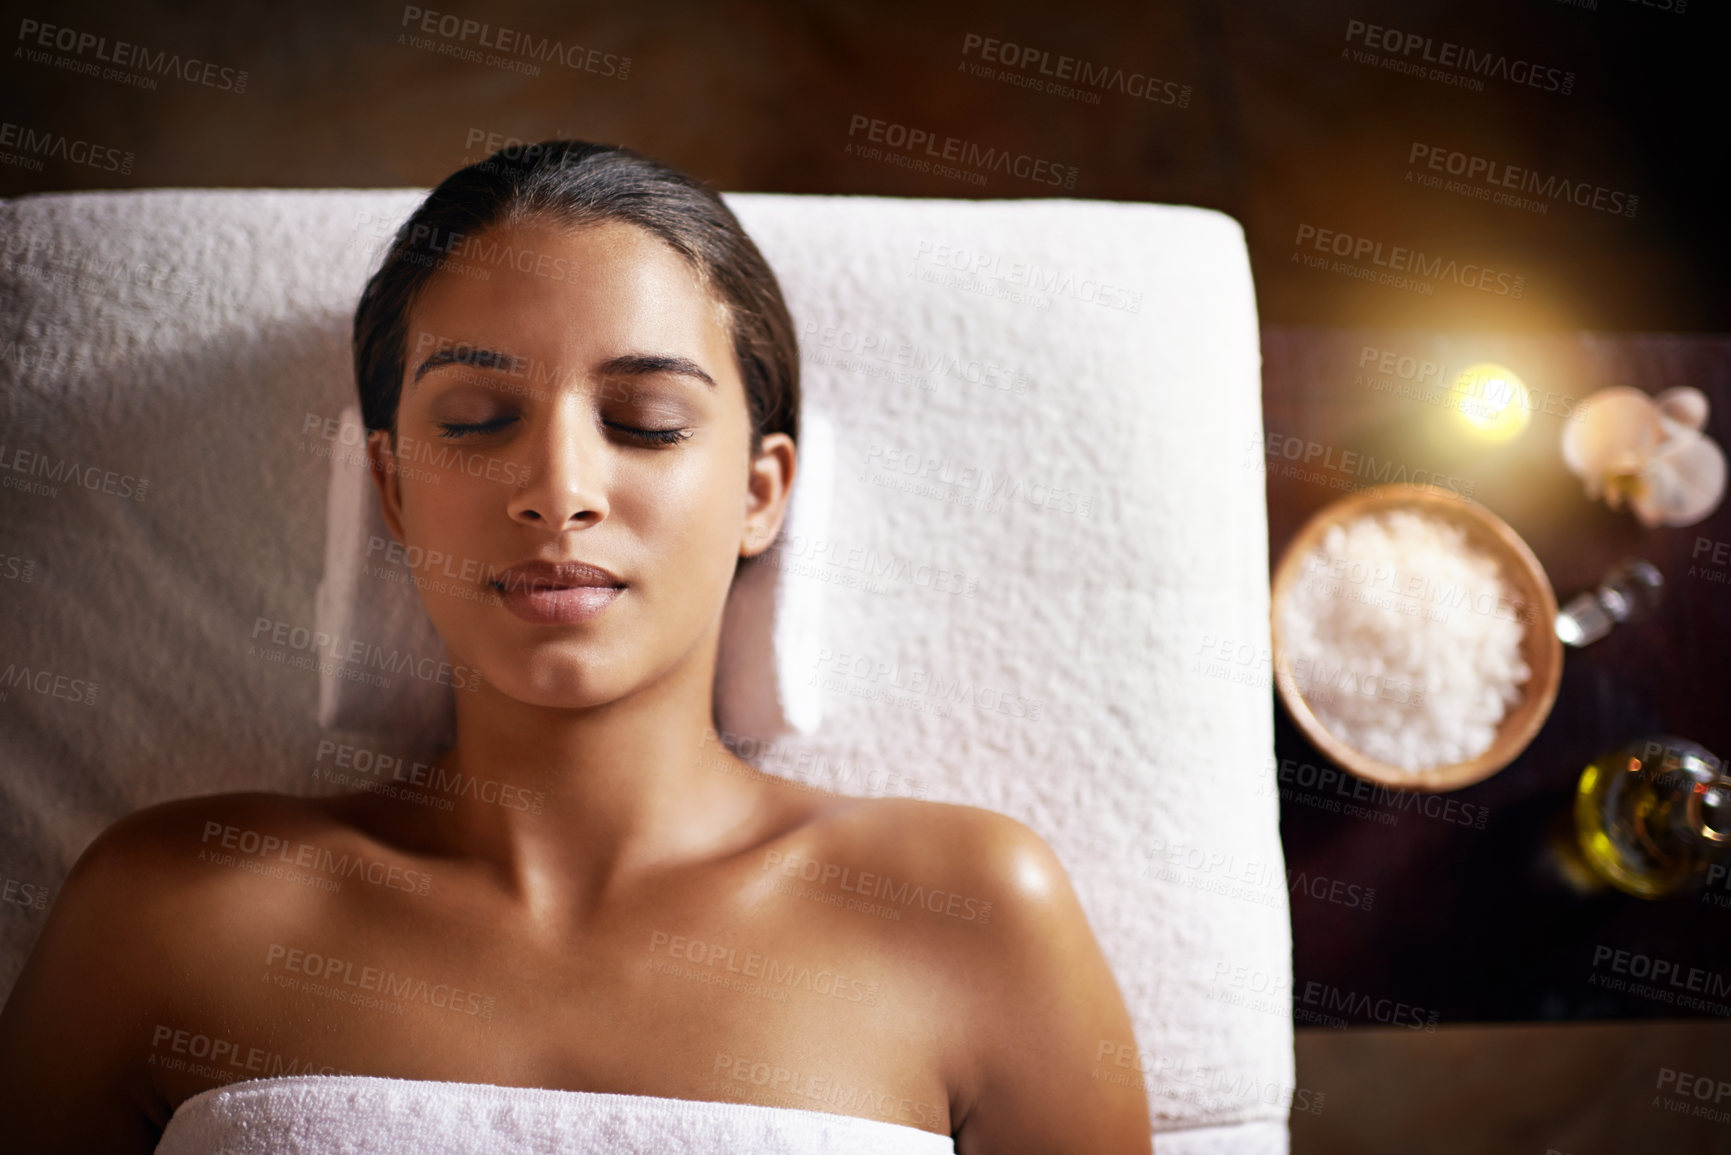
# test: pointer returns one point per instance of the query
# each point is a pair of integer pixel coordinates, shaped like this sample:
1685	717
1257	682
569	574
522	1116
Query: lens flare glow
1492	401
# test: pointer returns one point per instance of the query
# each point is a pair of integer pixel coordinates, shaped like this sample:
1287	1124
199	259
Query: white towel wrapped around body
369	1115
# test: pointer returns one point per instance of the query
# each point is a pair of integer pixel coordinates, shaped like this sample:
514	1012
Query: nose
565	462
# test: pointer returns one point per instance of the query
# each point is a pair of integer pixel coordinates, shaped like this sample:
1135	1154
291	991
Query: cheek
693	511
445	505
452	518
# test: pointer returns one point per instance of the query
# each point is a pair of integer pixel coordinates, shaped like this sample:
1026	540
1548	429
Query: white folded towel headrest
331	1114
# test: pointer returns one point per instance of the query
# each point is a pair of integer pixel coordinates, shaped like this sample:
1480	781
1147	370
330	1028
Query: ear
382	459
768	487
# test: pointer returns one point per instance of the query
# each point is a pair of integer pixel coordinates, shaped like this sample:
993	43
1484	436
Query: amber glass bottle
1652	814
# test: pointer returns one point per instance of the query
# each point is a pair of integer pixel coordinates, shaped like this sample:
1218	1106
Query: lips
547	575
557	593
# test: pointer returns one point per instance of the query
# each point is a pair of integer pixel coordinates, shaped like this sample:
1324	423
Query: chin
552	679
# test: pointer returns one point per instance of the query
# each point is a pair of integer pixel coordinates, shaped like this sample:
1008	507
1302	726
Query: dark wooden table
1472	919
1504	1089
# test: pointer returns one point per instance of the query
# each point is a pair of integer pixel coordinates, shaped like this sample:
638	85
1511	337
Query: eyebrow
469	355
624	365
639	364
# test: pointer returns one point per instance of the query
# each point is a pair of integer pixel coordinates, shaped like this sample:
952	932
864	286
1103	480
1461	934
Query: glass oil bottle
1652	814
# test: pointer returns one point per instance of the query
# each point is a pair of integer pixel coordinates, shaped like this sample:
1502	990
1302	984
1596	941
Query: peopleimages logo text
1447	54
1525	180
980	158
1404	260
80	43
1025	57
511	42
58	146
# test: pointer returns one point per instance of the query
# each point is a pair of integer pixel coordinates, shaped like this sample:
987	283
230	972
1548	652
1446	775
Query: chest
702	994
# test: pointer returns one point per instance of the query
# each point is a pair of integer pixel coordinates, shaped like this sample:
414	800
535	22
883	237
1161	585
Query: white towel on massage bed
365	1115
984	372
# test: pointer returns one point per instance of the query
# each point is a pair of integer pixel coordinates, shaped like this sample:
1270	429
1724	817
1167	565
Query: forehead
570	296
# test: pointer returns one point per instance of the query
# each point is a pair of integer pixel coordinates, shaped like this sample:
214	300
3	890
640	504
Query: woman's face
580	402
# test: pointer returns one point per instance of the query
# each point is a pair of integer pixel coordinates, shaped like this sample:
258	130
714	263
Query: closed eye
453	429
459	429
653	436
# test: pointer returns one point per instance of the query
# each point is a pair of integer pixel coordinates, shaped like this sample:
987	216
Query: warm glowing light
1492	401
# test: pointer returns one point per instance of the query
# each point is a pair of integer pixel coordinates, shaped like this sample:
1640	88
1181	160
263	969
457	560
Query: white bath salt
1404	639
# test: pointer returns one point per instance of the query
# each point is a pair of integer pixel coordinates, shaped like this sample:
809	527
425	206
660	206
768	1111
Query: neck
589	801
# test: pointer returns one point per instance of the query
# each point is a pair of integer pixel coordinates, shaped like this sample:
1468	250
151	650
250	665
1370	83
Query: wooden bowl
1530	591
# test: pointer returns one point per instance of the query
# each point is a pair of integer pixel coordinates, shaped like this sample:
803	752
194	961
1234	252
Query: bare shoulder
1034	996
990	855
976	891
169	835
122	937
150	871
188	878
150	878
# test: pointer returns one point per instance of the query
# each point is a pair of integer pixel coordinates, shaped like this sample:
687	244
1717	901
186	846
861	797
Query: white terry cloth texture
366	1115
1046	557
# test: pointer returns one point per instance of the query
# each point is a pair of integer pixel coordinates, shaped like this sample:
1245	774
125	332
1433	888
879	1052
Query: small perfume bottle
1652	814
1630	591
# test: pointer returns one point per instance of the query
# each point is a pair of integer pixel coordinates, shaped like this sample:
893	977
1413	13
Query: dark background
1280	130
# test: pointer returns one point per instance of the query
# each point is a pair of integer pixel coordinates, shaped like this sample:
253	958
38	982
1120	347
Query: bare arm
1050	1018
